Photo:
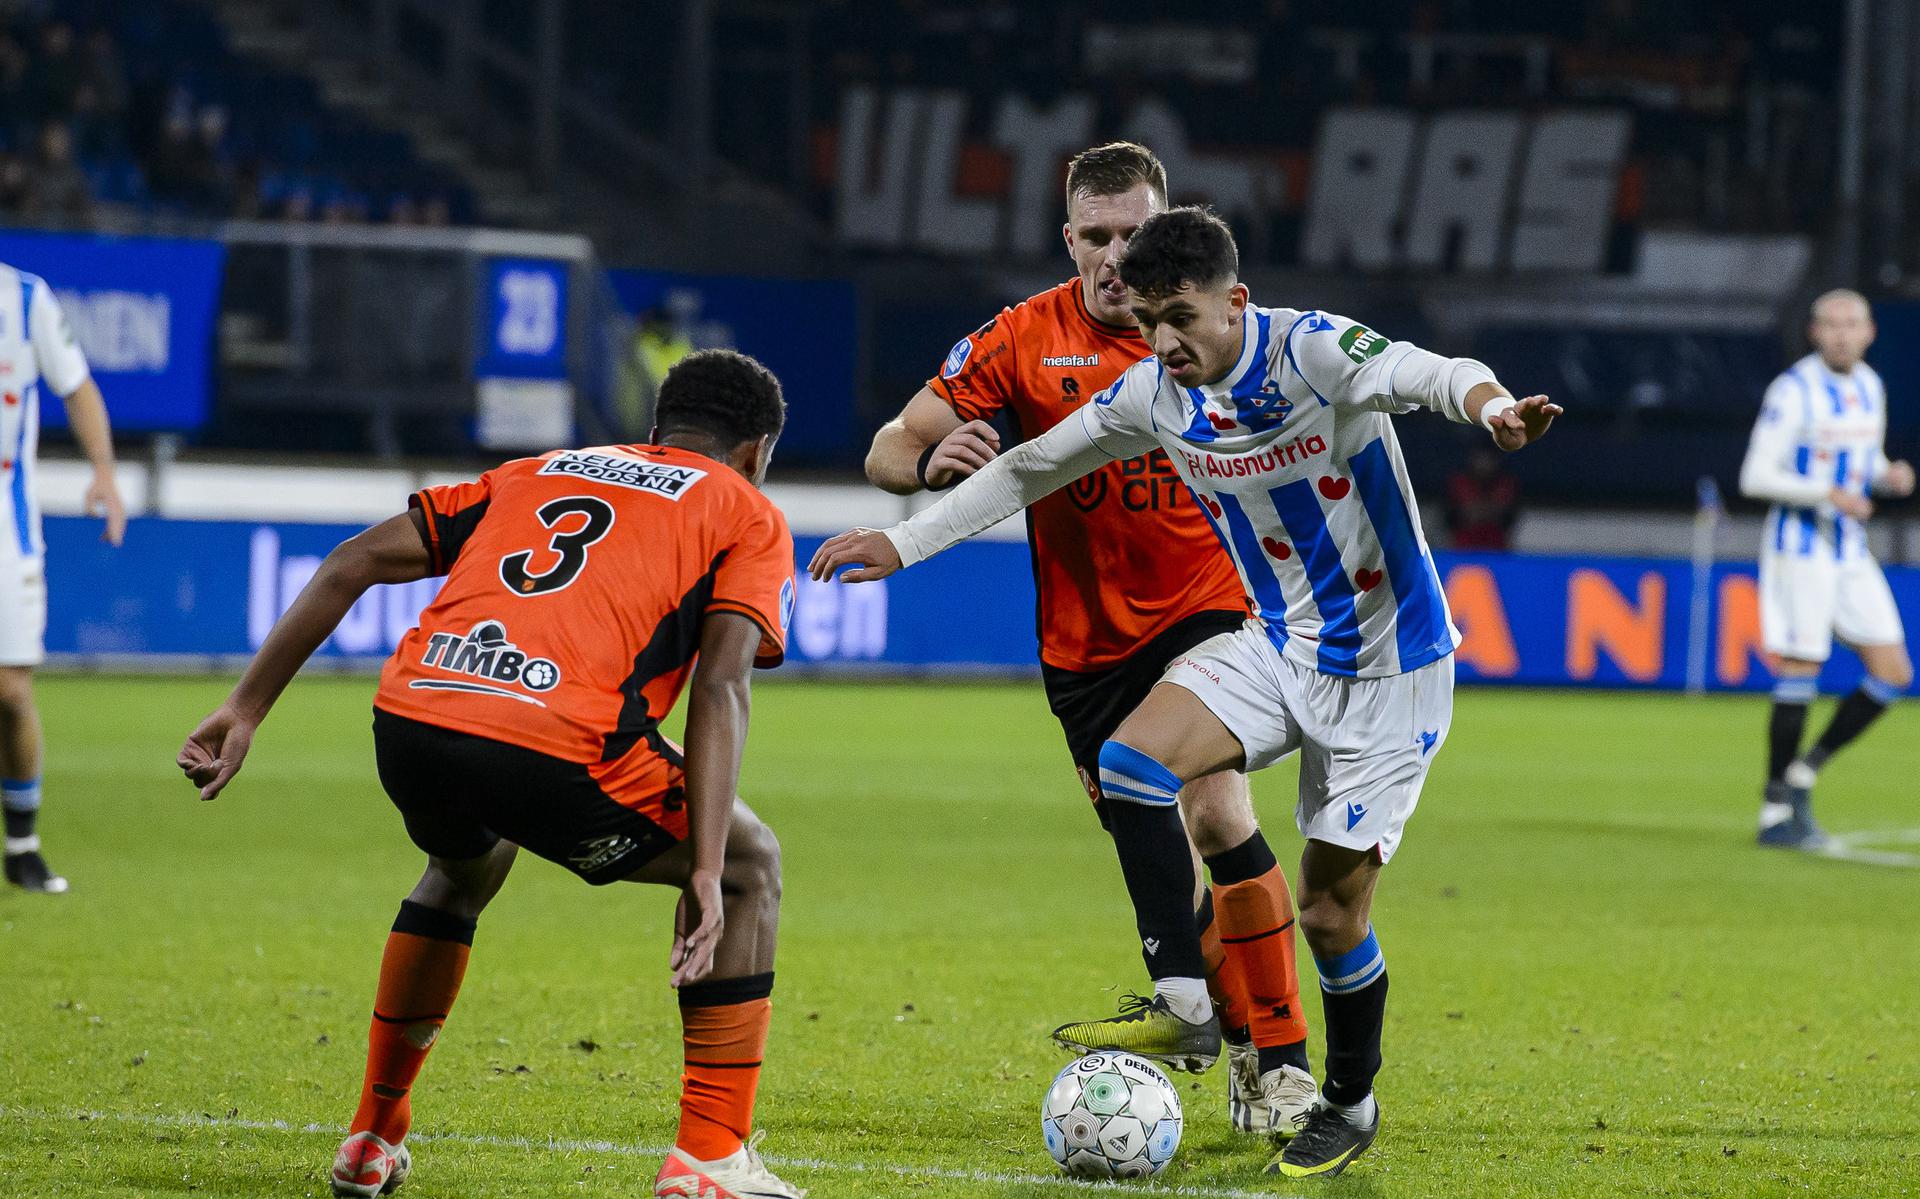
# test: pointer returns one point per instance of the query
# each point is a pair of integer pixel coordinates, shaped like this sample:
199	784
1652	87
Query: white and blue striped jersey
1817	431
1293	457
37	349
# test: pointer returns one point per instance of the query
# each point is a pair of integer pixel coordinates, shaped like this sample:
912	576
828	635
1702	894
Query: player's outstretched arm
87	414
927	445
1515	424
393	551
719	698
1026	473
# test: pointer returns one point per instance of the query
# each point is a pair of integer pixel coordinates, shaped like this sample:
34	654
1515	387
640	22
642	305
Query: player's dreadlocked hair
721	392
1115	169
1180	245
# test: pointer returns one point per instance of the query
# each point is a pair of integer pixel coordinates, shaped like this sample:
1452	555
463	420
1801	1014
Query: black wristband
920	470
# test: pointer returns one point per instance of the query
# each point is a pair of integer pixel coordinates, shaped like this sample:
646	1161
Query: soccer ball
1111	1115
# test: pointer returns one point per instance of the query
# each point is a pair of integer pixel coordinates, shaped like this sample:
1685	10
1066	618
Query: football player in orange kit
1129	577
525	711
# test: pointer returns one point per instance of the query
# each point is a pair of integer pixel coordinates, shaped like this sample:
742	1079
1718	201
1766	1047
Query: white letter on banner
1466	167
874	215
1567	191
1360	171
946	223
863	621
816	617
263	573
1039	142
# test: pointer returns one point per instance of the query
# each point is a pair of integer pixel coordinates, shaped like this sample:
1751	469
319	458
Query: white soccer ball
1111	1115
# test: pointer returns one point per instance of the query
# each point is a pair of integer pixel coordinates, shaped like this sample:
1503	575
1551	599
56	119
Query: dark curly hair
723	393
1179	246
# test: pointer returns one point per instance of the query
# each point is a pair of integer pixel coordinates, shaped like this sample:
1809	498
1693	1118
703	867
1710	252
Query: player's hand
1524	423
867	549
215	750
103	499
697	925
1848	504
1898	481
962	452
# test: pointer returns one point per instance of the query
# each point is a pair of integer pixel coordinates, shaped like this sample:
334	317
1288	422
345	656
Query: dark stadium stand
148	108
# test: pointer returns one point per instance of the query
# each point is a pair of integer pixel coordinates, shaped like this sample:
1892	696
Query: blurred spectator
1483	502
55	74
658	343
55	191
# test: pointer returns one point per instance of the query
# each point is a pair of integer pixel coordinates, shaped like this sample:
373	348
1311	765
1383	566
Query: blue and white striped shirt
1817	431
36	346
1293	457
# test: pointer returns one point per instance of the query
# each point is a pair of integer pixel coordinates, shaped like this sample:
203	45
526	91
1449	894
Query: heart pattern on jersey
1213	509
1280	550
1222	423
1335	488
12	399
1367	580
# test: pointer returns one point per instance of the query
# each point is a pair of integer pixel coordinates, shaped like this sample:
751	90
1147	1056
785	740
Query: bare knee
1330	926
753	860
464	888
1219	813
1898	672
16	691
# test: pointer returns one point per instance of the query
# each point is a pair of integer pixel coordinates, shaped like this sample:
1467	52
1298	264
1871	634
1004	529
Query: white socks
1360	1114
1186	998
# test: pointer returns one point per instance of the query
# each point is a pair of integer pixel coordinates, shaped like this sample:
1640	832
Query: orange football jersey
576	586
1124	553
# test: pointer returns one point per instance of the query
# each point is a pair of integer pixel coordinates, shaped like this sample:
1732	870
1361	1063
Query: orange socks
724	1023
1224	983
1254	911
420	974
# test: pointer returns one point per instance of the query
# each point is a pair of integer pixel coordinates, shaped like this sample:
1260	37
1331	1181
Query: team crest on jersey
492	664
660	478
1266	409
956	358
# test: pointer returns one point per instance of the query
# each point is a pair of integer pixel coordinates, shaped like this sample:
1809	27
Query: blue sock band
1126	773
20	795
1795	690
1879	690
1353	969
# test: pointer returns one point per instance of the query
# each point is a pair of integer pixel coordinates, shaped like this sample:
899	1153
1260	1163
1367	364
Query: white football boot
367	1166
742	1175
1289	1094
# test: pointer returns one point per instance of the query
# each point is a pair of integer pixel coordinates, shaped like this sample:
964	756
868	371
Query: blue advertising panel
525	336
216	587
143	309
805	331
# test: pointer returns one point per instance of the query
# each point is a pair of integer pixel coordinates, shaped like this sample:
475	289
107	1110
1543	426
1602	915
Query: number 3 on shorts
570	545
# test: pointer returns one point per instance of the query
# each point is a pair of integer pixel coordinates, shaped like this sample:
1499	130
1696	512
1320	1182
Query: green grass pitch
1600	986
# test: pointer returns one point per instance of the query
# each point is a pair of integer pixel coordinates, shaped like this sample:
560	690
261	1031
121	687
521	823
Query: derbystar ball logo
491	663
660	478
1068	360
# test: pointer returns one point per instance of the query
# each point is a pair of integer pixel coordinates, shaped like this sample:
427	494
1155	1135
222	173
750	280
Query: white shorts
1805	602
1365	744
23	612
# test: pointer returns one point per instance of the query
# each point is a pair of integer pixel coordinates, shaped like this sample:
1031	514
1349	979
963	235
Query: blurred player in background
1129	577
1818	453
1279	421
525	710
36	346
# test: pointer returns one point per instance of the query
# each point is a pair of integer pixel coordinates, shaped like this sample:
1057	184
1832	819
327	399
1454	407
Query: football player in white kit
1818	454
37	352
1278	420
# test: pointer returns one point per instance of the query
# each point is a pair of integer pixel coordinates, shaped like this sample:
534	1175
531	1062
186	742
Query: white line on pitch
1852	847
623	1149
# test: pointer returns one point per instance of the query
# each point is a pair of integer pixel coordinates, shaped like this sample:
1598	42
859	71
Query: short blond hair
1836	296
1114	170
